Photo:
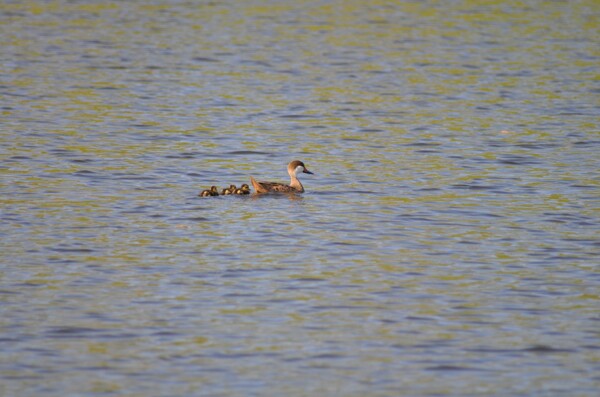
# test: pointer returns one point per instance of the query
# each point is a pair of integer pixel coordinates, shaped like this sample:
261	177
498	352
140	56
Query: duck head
296	167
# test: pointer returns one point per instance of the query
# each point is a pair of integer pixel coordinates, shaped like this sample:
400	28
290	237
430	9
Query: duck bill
307	172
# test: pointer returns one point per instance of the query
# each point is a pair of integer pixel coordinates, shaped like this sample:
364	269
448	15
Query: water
446	245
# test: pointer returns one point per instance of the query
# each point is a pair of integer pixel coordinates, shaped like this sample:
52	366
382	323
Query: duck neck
295	183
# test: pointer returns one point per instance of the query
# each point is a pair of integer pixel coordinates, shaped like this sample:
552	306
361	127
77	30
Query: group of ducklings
232	189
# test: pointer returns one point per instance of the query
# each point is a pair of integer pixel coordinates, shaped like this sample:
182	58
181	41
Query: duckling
245	189
242	191
205	193
214	191
232	188
226	191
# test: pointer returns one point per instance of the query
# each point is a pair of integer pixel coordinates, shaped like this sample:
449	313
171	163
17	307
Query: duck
214	191
205	193
232	188
226	191
293	168
242	191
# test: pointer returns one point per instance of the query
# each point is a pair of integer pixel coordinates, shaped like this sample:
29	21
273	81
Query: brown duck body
273	187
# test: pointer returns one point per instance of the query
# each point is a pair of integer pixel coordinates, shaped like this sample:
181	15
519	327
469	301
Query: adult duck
295	186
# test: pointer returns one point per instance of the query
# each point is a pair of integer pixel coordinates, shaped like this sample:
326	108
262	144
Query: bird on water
295	186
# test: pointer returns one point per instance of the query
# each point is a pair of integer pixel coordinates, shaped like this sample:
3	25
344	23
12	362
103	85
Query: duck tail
257	186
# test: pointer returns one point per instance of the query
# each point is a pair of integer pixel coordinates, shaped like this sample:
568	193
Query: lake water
448	243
